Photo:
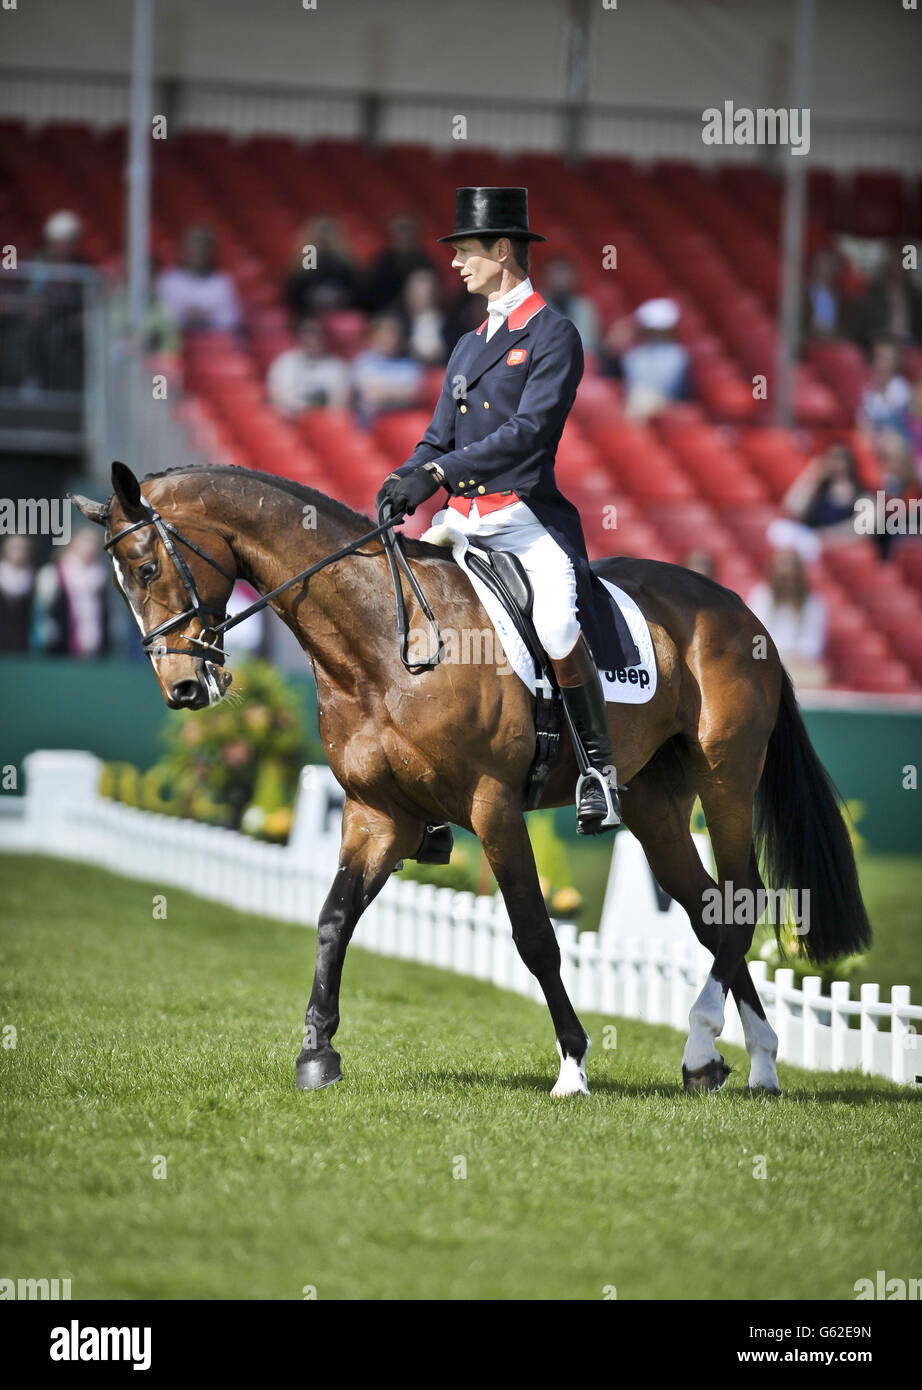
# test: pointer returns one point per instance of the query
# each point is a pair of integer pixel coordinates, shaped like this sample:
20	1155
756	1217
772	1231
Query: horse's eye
147	572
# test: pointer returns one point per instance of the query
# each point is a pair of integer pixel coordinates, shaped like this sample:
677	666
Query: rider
508	389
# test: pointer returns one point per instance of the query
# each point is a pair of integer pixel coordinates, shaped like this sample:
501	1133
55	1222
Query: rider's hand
392	493
406	492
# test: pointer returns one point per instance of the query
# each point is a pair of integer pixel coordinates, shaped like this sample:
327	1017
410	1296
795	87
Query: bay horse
454	743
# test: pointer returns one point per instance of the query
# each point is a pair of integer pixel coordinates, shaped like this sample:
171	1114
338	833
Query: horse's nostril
185	692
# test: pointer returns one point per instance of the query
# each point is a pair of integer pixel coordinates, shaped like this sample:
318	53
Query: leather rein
208	640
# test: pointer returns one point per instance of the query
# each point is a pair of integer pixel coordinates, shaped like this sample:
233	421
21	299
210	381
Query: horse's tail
802	839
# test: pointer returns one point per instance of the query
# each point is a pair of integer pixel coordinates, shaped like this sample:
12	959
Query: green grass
139	1037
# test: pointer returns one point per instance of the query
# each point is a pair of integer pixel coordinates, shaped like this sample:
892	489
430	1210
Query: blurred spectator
885	399
424	318
50	350
914	420
891	307
383	376
333	282
825	307
899	475
559	289
308	376
70	616
159	333
391	269
794	617
62	237
196	294
701	561
823	496
17	582
656	368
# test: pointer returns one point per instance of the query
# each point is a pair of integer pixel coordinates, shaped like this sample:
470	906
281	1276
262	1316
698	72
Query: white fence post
901	1037
811	988
870	994
839	994
566	939
784	981
482	918
678	992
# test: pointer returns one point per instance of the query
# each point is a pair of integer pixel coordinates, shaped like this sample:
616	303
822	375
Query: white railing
637	978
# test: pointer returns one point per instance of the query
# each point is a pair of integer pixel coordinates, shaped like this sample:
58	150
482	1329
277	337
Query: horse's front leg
500	827
372	845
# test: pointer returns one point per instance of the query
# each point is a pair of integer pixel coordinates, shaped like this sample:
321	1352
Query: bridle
169	534
207	643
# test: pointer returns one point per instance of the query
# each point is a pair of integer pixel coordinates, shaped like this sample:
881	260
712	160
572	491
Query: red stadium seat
711	471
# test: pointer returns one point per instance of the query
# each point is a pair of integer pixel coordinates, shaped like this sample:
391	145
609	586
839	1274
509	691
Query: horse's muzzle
188	694
195	692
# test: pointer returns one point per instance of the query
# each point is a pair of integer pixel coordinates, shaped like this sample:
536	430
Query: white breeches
517	529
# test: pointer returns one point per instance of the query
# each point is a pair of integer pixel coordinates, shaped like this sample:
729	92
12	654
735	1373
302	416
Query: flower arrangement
234	764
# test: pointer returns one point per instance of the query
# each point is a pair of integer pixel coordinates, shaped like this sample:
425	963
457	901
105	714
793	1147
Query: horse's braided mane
303	493
331	506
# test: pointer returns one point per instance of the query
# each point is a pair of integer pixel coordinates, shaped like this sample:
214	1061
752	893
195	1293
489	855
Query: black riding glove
405	492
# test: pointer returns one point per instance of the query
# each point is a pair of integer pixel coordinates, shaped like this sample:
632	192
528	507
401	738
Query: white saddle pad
634	685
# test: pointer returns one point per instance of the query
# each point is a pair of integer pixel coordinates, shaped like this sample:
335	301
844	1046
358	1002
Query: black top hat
492	212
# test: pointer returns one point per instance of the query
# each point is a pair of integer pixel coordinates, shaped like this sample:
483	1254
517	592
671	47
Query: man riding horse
509	387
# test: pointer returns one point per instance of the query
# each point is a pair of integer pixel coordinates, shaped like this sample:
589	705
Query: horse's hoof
712	1077
572	1079
763	1090
318	1070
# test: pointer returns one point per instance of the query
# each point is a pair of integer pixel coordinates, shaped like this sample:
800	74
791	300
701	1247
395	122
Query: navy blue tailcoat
496	428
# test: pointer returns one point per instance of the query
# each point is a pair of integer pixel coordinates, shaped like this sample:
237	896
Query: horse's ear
93	511
127	490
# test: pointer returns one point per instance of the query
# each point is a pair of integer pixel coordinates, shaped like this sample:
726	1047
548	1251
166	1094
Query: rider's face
481	268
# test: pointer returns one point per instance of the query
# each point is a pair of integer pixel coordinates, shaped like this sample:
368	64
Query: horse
454	742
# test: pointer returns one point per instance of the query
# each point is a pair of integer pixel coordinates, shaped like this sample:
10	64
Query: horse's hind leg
501	830
728	811
372	845
760	1037
657	810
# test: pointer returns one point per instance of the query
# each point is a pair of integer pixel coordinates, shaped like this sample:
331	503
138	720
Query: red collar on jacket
522	315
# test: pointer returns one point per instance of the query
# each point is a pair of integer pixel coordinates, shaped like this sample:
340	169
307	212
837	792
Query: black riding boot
599	807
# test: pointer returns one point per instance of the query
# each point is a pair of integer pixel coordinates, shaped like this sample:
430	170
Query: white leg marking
762	1046
705	1023
572	1079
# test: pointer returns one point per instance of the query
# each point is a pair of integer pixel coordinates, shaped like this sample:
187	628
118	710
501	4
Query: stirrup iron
612	816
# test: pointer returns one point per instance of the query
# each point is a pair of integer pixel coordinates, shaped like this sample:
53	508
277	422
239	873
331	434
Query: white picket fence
63	815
